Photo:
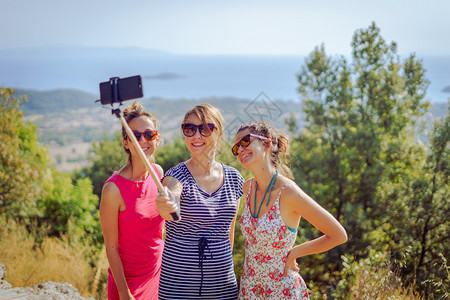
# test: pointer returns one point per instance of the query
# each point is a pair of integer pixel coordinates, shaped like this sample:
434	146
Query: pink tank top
140	238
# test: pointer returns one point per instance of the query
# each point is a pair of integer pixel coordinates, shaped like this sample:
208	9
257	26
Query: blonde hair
207	114
280	145
134	111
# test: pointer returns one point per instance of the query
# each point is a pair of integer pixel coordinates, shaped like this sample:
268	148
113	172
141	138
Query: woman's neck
263	175
203	163
135	172
203	166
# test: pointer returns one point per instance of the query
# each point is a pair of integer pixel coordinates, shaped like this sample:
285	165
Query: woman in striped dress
197	259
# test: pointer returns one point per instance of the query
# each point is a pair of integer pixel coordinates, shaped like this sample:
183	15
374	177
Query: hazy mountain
42	102
72	51
70	120
53	110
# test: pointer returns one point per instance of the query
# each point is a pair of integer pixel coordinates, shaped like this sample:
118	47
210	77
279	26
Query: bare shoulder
110	194
246	185
110	188
293	195
160	170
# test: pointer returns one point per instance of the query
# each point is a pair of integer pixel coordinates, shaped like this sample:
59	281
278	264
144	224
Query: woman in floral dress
273	208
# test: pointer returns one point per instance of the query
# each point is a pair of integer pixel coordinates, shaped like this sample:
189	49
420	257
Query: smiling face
198	143
252	152
142	124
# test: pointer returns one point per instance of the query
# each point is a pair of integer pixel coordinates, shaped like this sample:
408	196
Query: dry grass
54	260
57	260
380	283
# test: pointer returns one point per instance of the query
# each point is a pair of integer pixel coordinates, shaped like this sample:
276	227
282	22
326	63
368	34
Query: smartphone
127	88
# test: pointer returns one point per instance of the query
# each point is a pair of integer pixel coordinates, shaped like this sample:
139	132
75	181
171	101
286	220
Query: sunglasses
149	135
190	129
244	142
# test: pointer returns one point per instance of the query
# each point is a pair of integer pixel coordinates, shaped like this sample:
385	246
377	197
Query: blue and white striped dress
197	259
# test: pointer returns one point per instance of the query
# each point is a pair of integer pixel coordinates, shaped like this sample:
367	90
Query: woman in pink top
131	224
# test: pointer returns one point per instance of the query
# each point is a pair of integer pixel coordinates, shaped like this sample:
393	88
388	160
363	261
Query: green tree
172	153
68	207
31	190
22	159
420	232
107	156
359	142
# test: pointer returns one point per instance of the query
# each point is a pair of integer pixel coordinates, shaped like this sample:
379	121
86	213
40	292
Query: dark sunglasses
244	142
190	129
149	135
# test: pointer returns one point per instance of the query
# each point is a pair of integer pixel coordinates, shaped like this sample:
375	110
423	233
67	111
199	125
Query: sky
262	27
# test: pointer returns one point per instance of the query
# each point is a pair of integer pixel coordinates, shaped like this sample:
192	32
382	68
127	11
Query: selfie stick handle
139	150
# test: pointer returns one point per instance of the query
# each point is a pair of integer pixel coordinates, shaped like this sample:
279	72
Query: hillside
55	110
69	121
63	100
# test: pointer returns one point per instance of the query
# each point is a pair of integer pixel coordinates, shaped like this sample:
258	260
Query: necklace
268	189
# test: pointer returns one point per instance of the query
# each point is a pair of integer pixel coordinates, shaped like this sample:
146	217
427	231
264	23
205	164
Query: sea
176	76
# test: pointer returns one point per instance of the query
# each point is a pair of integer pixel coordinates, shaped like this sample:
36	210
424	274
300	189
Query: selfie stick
134	141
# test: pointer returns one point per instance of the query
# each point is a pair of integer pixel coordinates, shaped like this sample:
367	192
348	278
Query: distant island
163	76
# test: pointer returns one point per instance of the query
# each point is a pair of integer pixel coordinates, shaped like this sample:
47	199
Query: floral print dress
267	244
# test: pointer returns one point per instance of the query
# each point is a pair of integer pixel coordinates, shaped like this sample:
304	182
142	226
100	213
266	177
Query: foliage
360	157
31	190
107	156
424	229
442	284
22	159
66	205
171	154
373	277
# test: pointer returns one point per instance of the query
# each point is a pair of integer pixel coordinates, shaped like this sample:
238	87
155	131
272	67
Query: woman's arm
302	205
245	187
168	205
233	225
110	205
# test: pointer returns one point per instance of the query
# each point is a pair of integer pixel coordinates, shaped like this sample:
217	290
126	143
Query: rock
3	284
7	294
2	271
48	291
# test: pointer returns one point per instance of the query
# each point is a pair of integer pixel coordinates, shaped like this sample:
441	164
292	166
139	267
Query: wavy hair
280	145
